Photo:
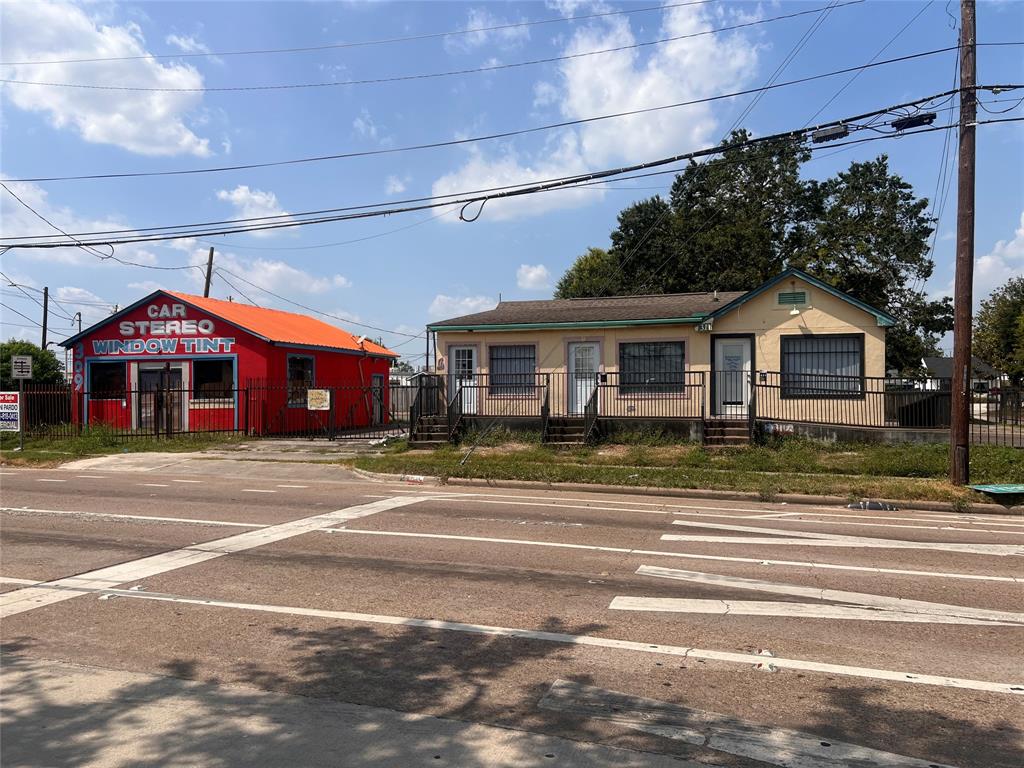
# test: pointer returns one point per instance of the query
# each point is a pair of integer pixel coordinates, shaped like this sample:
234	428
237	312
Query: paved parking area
467	626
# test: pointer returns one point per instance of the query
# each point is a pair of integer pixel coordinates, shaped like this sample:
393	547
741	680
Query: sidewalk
58	714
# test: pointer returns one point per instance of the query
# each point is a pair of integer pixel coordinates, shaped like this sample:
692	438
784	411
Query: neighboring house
695	356
983	375
176	362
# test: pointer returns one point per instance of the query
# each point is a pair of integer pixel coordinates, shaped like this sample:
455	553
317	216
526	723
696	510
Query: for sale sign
10	411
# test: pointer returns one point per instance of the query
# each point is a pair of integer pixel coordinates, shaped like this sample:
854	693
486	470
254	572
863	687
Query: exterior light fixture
794	312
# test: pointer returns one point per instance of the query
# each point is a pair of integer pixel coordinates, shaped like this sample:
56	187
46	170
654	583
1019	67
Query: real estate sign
10	411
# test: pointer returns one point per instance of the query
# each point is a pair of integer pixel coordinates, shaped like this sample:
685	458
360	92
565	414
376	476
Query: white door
462	373
732	376
582	375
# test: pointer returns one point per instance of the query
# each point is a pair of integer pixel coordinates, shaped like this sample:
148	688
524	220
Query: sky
399	272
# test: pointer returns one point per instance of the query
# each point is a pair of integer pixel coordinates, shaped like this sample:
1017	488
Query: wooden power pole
960	423
209	274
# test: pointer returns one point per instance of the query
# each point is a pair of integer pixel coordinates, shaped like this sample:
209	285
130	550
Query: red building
176	362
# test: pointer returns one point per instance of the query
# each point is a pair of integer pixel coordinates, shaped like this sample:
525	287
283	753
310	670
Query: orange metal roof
283	327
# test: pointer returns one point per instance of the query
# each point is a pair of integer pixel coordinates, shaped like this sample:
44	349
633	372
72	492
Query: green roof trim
589	324
884	319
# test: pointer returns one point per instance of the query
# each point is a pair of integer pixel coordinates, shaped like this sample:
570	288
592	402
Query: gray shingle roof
942	367
611	308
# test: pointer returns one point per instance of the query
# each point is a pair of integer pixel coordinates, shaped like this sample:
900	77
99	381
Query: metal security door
463	374
582	375
159	400
377	392
732	376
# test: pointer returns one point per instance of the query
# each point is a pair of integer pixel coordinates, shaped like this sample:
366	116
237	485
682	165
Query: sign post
21	369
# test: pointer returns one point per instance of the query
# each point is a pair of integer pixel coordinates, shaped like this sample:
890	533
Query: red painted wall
166	329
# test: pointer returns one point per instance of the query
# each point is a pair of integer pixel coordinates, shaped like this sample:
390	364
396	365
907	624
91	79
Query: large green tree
869	237
735	221
999	329
46	367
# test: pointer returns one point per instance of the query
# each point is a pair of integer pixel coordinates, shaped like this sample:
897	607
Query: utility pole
960	386
46	313
209	274
78	317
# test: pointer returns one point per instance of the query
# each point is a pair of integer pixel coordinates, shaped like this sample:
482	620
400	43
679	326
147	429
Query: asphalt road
723	633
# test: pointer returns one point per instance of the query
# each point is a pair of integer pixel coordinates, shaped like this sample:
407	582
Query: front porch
719	408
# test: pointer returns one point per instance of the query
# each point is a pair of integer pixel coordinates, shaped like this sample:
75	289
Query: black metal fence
260	409
338	411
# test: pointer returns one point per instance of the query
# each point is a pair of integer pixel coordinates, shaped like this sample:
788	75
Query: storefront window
107	380
213	379
300	378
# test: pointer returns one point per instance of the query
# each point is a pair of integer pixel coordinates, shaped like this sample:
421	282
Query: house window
107	380
652	367
823	366
300	379
512	369
213	379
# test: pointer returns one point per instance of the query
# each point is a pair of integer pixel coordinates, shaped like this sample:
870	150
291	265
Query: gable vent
787	298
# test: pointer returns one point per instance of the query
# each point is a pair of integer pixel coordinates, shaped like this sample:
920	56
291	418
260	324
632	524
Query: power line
878	53
482	198
11	309
185	230
218	272
416	76
361	43
312	309
487	137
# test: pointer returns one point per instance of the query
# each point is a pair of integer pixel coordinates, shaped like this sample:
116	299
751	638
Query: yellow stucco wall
761	316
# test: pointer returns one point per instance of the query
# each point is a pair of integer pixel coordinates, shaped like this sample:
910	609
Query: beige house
793	349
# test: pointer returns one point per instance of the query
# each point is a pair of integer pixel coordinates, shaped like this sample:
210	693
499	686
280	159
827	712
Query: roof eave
883	319
569	325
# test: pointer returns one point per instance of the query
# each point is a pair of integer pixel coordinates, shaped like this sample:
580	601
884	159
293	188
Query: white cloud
146	286
144	123
17	221
1005	260
626	80
254	204
395	185
533	277
480	21
187	44
273	274
453	306
74	297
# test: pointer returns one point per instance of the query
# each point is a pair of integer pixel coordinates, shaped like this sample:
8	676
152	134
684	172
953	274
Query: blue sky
407	275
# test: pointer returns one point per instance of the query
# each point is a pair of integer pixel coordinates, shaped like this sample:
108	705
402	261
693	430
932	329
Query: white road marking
306	486
806	519
257	490
154	485
186	481
115	516
788	610
28	599
49	480
671	509
766	744
12	580
683	555
590	640
816	539
91	477
834	595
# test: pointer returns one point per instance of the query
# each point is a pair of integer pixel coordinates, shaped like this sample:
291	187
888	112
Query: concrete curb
676	493
380	477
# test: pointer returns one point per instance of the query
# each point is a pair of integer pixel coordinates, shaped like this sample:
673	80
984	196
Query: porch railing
454	414
590	416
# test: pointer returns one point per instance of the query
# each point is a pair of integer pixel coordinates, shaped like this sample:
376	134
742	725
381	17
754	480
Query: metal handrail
545	409
454	414
590	414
